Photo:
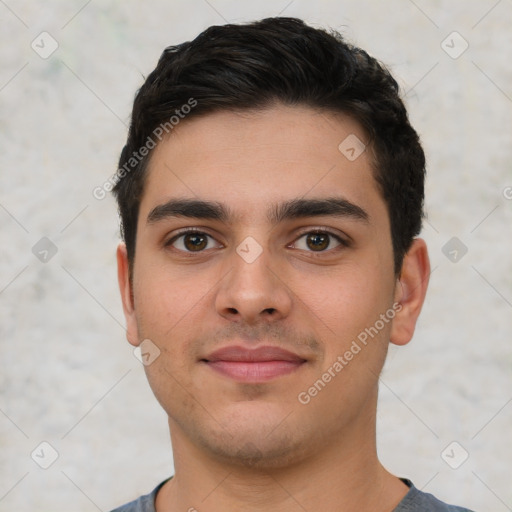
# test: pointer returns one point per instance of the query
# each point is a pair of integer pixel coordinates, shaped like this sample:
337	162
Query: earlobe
410	292
125	288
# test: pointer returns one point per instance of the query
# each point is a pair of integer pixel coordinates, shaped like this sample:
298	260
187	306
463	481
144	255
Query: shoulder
144	503
418	501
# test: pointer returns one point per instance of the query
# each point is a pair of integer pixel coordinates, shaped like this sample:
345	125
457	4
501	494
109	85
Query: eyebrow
289	210
332	206
192	208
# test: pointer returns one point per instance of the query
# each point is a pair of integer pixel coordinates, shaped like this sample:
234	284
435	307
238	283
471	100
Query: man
270	193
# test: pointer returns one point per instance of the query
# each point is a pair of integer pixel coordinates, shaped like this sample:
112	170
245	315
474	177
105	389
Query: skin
254	446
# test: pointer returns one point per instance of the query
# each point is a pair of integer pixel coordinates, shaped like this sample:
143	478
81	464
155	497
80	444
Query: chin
257	437
253	453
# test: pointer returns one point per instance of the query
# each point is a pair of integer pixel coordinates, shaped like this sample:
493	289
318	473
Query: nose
253	292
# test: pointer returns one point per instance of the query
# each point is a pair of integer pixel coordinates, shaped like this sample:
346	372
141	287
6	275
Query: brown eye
318	241
193	241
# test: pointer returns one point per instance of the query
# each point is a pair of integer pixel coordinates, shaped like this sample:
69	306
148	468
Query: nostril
270	311
233	311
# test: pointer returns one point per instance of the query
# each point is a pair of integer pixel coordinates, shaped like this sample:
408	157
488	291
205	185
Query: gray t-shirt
413	501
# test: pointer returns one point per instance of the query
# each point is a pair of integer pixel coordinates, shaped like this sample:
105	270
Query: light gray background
68	376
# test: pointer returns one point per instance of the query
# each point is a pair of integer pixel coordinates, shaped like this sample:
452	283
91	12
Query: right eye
192	241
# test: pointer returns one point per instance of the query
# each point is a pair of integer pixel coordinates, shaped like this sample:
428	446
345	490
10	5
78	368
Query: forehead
251	159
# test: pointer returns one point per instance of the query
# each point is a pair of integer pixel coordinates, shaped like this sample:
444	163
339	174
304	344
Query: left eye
317	241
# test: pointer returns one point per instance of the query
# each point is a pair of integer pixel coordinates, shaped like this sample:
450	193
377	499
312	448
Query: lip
253	365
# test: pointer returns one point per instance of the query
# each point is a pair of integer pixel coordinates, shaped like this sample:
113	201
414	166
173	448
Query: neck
344	475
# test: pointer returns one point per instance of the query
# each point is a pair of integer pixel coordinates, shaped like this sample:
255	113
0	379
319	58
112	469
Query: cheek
343	299
165	312
347	305
174	309
165	303
171	384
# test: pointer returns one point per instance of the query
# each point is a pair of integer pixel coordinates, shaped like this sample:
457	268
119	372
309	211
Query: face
263	263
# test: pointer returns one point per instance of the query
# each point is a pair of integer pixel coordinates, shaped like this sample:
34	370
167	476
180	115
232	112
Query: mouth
253	365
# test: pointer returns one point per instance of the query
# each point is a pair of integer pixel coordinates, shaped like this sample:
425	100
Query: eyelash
343	242
190	231
184	232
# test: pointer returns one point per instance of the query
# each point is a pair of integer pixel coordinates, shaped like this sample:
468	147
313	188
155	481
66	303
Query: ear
125	287
410	292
